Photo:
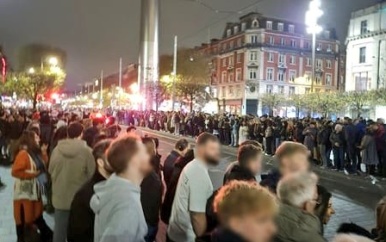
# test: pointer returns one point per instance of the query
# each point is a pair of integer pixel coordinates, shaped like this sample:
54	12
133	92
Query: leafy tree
299	101
380	95
272	101
358	100
326	102
37	56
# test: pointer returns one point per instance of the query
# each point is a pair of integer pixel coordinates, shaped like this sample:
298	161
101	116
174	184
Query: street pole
313	61
174	71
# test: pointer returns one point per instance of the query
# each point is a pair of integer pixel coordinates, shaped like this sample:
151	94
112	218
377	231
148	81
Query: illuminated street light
312	16
31	70
53	61
134	87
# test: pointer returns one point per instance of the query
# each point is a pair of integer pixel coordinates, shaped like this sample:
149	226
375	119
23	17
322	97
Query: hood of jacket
115	187
295	224
71	147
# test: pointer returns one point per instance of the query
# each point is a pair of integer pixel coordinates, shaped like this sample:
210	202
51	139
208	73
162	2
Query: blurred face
37	139
330	211
183	153
210	152
140	162
309	206
255	164
298	162
255	227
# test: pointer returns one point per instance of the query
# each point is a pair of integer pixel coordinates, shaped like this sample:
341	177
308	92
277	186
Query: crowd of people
105	186
354	146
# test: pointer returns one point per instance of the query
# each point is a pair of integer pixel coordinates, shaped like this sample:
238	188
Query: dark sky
95	33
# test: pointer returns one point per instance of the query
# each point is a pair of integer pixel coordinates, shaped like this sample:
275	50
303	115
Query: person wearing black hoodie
180	149
81	221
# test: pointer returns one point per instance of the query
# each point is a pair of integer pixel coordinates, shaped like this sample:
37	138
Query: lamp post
312	15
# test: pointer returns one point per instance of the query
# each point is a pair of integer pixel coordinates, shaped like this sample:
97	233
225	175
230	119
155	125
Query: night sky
95	33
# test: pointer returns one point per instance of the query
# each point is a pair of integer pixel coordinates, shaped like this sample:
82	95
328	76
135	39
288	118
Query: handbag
26	189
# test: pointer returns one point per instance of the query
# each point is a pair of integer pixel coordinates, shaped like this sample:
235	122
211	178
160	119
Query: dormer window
229	32
243	26
269	25
236	29
291	28
255	23
280	26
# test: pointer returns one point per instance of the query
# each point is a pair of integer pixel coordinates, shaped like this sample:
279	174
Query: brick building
259	55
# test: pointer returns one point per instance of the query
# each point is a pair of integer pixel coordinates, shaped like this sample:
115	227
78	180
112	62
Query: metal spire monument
148	68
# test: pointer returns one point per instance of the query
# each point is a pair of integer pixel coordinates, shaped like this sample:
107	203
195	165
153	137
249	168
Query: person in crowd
71	165
380	141
131	130
296	220
81	220
188	218
92	132
243	132
249	163
369	151
324	145
14	133
60	134
380	229
324	210
268	138
310	134
246	212
235	125
181	147
337	141
30	174
351	135
350	238
151	191
116	202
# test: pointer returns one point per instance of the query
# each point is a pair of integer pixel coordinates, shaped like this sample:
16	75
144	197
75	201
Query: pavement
354	198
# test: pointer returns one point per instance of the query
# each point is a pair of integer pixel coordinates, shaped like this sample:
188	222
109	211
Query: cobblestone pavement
353	198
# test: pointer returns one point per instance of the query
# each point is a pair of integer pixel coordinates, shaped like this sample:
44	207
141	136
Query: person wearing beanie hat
71	165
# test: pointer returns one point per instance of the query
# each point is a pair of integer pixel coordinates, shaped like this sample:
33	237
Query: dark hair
75	130
121	151
181	144
246	153
251	142
27	139
36	130
205	137
289	148
99	150
324	197
130	128
99	138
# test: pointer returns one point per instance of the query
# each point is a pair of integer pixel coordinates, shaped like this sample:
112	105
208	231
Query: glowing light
134	87
54	96
312	16
53	61
31	70
98	115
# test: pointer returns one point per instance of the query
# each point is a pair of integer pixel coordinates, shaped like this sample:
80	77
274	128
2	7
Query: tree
192	73
37	56
358	100
326	102
30	85
380	96
272	101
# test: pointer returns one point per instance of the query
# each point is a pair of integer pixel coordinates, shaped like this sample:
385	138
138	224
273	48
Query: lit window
280	26
269	24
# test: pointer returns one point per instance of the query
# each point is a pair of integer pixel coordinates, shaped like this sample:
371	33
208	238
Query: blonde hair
381	215
239	198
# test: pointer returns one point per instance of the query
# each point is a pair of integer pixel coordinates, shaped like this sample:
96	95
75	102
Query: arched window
255	23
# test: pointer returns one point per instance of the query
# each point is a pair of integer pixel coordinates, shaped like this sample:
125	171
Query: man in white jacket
116	203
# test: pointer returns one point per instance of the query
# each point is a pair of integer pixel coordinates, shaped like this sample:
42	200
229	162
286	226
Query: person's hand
44	148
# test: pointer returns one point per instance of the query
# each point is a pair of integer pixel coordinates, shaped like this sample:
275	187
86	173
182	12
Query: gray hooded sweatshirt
118	211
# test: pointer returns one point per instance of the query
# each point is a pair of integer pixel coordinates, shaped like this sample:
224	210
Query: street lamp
53	61
312	16
31	70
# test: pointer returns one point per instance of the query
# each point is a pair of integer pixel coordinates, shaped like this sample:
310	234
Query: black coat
81	221
169	165
221	235
151	197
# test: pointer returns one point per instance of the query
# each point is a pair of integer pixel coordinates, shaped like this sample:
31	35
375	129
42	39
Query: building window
270	57
328	64
243	26
293	43
271	40
293	60
238	74
270	74
329	48
238	91
224	46
291	90
230	91
280	76
238	57
308	90
231	61
308	75
224	91
255	23
253	39
231	44
319	47
269	24
308	63
328	79
239	42
307	45
281	89
236	29
252	74
253	56
224	62
319	63
230	77
282	41
364	27
362	55
280	26
281	58
223	77
291	28
268	89
318	79
229	32
292	75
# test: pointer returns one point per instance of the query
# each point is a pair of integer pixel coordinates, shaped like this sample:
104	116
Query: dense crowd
105	186
342	145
